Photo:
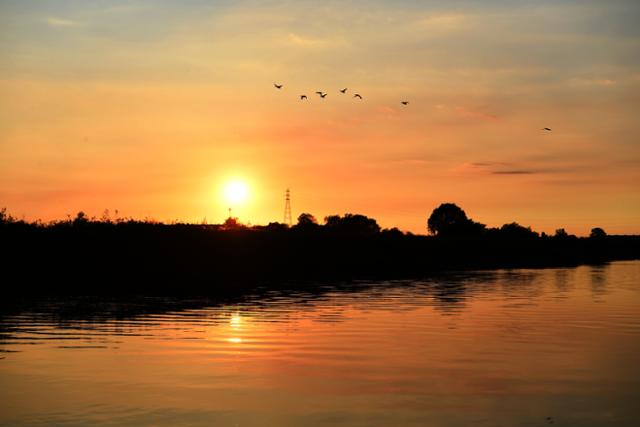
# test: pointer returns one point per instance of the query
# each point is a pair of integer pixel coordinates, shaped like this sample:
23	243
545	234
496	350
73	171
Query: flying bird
343	90
404	102
277	86
319	92
547	129
357	95
303	97
322	95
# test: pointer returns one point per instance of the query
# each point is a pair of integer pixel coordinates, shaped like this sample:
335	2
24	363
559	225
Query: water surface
501	348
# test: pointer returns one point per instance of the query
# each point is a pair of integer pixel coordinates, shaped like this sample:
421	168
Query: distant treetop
597	233
449	219
352	224
306	219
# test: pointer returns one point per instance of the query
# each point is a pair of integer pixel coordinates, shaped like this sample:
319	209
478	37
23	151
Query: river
490	348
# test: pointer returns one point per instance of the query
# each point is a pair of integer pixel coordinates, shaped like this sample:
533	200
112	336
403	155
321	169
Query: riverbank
140	257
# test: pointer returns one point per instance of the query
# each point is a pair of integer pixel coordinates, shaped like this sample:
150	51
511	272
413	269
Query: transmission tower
287	208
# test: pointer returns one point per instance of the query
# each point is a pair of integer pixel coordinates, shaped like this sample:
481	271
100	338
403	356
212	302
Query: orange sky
150	107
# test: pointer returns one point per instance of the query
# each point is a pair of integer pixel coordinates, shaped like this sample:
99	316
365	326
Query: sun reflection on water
236	326
236	321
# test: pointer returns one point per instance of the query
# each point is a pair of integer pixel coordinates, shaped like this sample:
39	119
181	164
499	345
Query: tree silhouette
275	226
352	224
80	219
233	257
232	223
5	218
449	219
306	222
597	233
306	219
517	231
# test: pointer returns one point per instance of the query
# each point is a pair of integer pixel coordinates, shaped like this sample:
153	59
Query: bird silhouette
404	102
319	92
357	95
322	95
547	129
303	97
343	90
277	86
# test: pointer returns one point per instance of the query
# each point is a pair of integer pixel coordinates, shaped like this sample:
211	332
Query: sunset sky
152	107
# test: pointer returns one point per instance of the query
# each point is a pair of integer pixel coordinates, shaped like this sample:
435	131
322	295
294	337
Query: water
502	348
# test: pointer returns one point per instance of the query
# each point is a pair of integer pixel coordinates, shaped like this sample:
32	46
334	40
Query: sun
236	192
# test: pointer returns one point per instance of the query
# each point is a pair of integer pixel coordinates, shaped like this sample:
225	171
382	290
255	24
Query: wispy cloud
592	82
477	114
58	22
413	162
514	172
509	168
488	164
304	41
444	22
299	40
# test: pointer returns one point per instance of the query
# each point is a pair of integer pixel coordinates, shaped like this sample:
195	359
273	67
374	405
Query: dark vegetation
125	256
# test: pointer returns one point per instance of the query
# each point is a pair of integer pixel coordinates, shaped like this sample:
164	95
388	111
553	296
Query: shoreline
143	258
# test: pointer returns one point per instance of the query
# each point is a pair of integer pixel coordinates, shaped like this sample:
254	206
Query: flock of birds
322	95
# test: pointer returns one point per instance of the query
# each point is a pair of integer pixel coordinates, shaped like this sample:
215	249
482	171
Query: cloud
482	164
506	168
386	111
592	82
302	41
57	22
515	172
413	162
465	112
444	22
299	40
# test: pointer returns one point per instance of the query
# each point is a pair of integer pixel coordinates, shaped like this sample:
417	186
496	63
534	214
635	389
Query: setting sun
236	192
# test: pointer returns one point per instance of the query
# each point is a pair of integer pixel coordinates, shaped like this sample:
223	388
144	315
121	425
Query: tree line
447	220
124	255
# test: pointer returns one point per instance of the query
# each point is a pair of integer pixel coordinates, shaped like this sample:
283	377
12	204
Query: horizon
115	218
152	108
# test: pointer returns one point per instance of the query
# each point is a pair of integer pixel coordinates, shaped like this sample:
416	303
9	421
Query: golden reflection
236	321
235	326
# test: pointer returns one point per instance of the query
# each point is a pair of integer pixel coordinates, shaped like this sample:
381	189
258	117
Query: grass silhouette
125	256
